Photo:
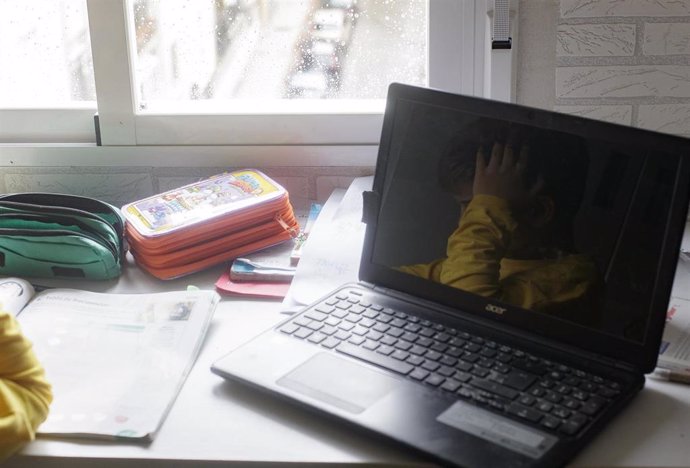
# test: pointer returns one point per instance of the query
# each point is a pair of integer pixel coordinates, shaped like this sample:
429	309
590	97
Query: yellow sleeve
25	395
476	247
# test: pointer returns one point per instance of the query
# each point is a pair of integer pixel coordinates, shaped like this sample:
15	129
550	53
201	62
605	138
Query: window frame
457	36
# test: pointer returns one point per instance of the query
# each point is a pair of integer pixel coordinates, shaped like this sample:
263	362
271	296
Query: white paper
116	361
674	353
331	256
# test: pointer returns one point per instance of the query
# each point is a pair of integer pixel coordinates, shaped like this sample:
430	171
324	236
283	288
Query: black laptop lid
571	230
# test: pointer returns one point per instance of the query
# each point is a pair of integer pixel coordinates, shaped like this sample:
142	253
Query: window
46	69
220	73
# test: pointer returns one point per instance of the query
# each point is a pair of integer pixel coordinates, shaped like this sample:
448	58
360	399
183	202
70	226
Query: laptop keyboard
554	396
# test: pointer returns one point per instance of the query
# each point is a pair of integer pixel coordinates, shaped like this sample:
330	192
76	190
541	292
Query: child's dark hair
560	160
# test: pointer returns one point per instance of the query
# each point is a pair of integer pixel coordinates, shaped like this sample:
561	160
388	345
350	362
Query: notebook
514	280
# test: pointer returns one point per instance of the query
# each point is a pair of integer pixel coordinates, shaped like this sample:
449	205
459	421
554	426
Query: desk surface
216	422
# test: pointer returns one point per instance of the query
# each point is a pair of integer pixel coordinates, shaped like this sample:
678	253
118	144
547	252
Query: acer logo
494	309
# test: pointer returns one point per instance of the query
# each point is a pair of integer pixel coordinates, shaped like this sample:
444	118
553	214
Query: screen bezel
638	355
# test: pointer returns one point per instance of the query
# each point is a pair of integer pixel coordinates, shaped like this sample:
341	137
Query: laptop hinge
370	210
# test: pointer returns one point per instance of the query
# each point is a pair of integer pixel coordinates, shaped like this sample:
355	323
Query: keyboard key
415	360
333	321
524	412
376	358
495	388
371	345
439	347
365	322
573	425
372	314
353	318
561	412
448	361
424	341
592	406
451	385
515	379
544	406
430	365
289	328
409	336
534	367
330	342
302	321
316	338
403	345
384	318
527	400
302	333
434	380
388	340
316	315
419	374
342	335
356	340
550	422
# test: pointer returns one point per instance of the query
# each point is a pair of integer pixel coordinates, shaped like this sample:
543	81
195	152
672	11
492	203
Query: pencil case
60	236
205	223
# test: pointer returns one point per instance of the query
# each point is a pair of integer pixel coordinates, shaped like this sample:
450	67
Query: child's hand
503	176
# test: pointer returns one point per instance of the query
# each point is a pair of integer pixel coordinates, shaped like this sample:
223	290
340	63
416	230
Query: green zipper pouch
60	236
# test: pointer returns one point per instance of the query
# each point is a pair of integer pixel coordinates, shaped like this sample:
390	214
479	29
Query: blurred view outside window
218	50
45	54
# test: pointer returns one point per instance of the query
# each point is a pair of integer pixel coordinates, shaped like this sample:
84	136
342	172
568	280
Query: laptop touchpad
338	382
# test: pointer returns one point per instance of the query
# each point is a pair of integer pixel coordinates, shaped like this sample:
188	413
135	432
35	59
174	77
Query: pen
671	376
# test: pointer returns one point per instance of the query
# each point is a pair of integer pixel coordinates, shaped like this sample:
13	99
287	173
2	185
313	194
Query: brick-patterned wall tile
616	114
666	39
623	81
115	188
298	188
595	40
667	118
603	8
326	184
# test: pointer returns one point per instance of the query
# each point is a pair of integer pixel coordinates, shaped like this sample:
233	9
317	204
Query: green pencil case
60	236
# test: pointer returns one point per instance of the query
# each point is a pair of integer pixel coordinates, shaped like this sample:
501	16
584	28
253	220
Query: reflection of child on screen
519	191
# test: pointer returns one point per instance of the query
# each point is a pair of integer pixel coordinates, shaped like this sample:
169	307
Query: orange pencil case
185	230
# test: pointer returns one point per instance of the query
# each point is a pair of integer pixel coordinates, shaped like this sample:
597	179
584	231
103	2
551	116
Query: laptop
516	270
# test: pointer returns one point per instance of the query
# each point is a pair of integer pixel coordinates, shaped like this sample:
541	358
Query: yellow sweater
475	262
24	393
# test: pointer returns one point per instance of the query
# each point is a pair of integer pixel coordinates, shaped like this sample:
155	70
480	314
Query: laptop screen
564	226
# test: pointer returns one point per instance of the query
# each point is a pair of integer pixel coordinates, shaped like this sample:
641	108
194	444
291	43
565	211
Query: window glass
215	50
45	53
